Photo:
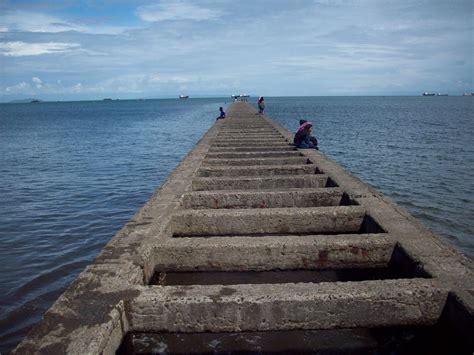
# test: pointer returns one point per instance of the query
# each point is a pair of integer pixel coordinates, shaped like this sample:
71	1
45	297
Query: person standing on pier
261	105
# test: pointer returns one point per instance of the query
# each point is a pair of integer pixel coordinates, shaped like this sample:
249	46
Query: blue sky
74	50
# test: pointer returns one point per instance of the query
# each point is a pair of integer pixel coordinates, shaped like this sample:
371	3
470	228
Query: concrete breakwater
252	245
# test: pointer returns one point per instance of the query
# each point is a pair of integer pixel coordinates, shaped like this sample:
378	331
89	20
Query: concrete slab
260	183
269	148
263	199
252	144
268	170
283	252
257	161
321	220
286	306
249	155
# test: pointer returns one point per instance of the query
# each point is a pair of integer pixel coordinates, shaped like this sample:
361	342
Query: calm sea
72	174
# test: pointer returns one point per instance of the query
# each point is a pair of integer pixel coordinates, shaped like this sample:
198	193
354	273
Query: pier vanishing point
252	245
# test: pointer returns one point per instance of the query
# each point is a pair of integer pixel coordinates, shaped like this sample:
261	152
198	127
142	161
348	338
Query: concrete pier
254	245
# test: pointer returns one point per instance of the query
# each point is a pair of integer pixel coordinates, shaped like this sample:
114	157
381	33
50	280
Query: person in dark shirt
303	138
221	114
261	105
312	138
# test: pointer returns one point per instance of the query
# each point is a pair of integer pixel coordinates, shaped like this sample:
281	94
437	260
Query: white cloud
20	49
19	88
77	88
176	10
37	81
25	21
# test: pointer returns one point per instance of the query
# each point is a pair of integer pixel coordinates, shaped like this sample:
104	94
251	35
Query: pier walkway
253	245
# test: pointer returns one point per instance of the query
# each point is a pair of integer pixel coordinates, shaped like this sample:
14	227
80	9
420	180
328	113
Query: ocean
73	173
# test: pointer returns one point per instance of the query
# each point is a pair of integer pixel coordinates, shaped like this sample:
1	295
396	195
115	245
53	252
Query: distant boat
183	96
429	94
468	94
35	101
107	99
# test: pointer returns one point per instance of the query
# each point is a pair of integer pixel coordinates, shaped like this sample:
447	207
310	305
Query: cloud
301	47
26	21
37	81
20	49
176	10
19	88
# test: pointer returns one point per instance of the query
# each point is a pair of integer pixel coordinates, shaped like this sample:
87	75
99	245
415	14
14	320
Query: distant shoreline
33	100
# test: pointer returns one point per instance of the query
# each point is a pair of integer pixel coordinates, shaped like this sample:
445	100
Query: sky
86	49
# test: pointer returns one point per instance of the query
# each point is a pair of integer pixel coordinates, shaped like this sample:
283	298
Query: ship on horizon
183	96
434	94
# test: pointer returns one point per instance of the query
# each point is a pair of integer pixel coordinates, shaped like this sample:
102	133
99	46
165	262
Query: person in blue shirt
221	114
303	138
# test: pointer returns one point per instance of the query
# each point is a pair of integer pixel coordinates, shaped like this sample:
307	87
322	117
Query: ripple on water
71	175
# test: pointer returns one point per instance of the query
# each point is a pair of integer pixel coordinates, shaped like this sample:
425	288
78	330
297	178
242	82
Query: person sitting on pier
303	136
313	139
221	114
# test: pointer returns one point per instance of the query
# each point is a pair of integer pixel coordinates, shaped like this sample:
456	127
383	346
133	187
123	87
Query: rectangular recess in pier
400	266
440	338
273	221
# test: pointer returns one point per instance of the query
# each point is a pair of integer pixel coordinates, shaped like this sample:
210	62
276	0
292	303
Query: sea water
418	151
73	173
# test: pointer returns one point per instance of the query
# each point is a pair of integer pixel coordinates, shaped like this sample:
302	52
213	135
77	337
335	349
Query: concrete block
318	220
260	183
263	199
216	308
283	252
248	155
257	161
221	171
269	148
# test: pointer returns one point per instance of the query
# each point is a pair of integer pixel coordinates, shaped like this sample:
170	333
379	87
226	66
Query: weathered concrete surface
255	183
334	220
249	155
267	170
266	148
283	252
288	306
263	199
216	191
258	161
